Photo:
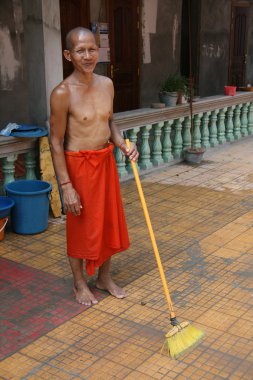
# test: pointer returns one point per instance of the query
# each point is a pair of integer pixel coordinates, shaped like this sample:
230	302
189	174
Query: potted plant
183	92
172	87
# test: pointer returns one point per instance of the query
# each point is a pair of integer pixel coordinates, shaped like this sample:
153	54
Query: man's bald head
79	31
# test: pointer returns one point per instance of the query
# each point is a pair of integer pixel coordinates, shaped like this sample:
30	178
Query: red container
230	90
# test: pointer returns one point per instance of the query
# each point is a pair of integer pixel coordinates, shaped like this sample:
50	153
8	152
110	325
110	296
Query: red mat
32	303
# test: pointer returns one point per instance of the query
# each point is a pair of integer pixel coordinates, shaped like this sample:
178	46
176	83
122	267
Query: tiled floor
203	222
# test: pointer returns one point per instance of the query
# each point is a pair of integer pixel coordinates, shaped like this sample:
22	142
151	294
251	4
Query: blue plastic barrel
30	212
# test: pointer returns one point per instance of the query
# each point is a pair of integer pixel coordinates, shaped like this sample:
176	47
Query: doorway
238	43
73	13
123	16
123	19
191	14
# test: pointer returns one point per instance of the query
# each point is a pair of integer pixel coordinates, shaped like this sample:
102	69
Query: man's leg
105	282
82	292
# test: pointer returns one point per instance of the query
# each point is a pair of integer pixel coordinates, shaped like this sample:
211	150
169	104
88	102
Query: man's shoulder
104	80
62	89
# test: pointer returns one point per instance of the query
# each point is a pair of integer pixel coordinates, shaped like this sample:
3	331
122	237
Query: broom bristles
179	342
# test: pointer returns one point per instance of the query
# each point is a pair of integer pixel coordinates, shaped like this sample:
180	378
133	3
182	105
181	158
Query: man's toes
120	296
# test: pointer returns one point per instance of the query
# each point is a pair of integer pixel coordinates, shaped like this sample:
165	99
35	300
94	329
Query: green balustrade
178	140
8	168
197	133
163	135
221	126
30	164
244	119
144	161
229	124
250	119
132	135
166	142
237	122
120	162
205	130
156	156
186	133
213	128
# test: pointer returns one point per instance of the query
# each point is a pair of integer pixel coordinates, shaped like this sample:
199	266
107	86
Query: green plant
175	83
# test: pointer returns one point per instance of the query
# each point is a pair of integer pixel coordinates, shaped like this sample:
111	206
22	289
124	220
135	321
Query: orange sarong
100	231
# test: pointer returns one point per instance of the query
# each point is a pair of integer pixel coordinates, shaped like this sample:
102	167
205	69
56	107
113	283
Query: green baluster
132	135
120	162
221	125
229	124
244	120
186	133
196	132
237	122
30	164
178	141
145	162
166	142
205	130
157	145
250	119
213	128
9	168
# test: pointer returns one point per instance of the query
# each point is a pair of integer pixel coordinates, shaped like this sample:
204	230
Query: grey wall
34	47
13	71
249	68
43	55
214	46
31	63
164	60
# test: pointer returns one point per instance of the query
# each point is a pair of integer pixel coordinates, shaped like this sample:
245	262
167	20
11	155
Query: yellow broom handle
151	233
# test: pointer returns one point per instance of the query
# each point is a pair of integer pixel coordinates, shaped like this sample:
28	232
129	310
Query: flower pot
194	155
168	98
230	90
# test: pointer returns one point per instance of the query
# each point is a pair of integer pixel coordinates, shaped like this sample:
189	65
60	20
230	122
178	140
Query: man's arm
116	137
58	122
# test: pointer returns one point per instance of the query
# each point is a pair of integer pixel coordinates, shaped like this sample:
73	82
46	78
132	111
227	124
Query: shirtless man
81	135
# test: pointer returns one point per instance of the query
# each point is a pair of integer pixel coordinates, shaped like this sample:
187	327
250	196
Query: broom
183	335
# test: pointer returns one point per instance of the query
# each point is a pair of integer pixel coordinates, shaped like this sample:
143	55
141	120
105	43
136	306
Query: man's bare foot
83	294
108	285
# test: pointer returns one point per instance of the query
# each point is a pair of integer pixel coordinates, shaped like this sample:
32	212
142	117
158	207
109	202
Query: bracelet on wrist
65	183
121	144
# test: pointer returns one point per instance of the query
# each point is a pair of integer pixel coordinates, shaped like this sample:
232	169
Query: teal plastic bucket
30	212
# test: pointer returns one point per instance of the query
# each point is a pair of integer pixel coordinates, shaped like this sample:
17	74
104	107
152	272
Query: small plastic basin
6	204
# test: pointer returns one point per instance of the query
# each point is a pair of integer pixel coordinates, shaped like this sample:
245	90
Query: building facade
148	40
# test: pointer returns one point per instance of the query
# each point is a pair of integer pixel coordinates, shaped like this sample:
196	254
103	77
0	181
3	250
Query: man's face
84	52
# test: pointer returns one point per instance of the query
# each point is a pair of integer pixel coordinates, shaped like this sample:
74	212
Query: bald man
82	138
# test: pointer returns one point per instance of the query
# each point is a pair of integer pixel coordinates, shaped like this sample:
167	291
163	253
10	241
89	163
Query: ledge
13	145
144	116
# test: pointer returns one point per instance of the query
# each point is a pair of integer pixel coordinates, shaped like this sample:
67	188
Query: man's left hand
131	152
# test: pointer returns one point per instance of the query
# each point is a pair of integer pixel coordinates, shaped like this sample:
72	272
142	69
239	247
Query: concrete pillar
52	46
42	38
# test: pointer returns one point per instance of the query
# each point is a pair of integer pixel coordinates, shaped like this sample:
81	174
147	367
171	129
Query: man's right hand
71	200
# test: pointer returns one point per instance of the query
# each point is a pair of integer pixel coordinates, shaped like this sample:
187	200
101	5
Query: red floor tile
33	303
